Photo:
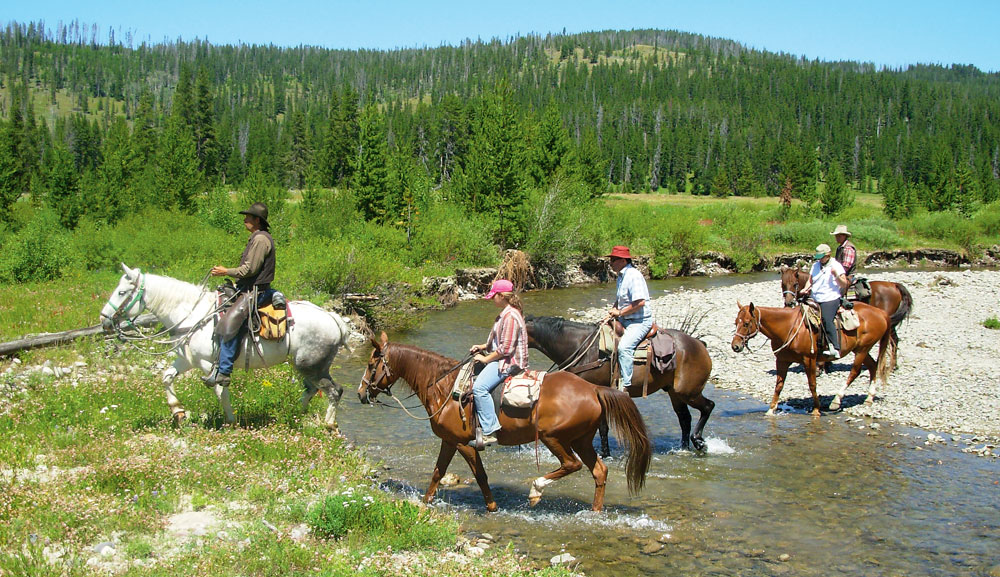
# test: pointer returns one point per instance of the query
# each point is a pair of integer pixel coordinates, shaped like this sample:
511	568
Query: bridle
136	295
795	291
382	371
756	328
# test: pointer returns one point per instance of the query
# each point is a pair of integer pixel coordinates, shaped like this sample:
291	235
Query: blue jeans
229	350
635	330
486	381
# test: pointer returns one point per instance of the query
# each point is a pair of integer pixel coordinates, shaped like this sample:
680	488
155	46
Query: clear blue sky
887	32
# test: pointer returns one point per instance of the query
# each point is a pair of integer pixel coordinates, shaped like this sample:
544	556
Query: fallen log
52	339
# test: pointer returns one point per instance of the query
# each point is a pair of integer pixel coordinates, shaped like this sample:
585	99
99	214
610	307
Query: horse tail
904	308
626	422
886	356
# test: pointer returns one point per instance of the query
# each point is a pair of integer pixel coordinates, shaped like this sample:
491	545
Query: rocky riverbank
946	376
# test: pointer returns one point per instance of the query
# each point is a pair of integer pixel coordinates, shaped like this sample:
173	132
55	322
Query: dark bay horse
792	341
565	419
892	297
560	339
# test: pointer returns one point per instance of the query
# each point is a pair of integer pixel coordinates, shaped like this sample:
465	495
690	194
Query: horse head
791	284
378	377
126	301
747	326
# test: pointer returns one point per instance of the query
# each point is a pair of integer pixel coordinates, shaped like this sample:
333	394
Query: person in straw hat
505	353
846	254
631	294
827	281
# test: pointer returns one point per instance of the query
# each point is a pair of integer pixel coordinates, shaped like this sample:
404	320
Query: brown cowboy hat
620	251
258	209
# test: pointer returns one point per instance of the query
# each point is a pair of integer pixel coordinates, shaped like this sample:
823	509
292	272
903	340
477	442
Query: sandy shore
946	379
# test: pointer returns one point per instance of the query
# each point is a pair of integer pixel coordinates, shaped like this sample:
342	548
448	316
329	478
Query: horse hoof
179	417
532	501
699	445
815	413
491	507
769	413
834	406
869	402
332	427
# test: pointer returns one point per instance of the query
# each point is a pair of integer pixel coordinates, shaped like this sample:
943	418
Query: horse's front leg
177	412
781	367
444	459
476	464
809	365
222	393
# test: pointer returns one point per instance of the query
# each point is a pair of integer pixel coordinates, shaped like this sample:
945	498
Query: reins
580	351
388	389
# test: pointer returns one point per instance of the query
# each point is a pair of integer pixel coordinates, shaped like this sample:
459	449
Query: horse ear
375	343
750	307
784	267
131	273
385	339
738	305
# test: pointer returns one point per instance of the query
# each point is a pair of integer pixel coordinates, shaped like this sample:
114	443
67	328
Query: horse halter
136	295
794	292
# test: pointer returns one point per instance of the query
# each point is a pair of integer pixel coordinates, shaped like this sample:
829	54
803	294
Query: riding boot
216	378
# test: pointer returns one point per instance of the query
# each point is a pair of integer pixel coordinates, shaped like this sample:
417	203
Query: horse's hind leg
705	407
602	428
585	449
177	412
333	393
860	357
444	459
568	464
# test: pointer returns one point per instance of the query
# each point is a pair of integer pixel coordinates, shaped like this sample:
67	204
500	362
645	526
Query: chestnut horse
564	418
560	340
792	341
892	297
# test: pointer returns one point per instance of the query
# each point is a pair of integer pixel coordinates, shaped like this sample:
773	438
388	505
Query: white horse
314	336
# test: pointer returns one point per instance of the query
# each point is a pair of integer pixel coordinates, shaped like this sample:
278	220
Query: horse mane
553	327
419	366
172	293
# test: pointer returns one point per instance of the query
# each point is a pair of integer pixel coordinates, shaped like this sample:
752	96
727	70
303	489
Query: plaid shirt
846	256
510	339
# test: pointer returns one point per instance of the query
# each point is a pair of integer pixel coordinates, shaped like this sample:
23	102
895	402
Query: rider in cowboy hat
846	254
630	309
255	271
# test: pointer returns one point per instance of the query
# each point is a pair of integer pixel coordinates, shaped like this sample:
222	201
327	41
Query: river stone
784	557
562	559
652	548
449	480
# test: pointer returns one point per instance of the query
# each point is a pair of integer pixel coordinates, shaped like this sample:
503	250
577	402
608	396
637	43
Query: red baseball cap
500	286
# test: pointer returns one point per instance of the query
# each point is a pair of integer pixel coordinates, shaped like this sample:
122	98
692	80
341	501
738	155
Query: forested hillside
474	138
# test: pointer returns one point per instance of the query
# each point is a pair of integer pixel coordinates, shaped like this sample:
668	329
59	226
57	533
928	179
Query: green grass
98	460
992	323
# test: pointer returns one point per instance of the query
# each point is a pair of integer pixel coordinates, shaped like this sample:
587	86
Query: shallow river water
783	495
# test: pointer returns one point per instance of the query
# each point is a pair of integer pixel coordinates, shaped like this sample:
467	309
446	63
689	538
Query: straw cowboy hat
821	251
841	229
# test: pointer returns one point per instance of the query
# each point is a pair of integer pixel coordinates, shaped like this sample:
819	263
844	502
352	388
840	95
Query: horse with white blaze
188	312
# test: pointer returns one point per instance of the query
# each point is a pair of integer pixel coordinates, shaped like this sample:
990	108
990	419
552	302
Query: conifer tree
836	195
370	165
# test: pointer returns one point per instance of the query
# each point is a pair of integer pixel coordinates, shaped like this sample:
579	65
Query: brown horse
564	418
892	297
792	341
561	340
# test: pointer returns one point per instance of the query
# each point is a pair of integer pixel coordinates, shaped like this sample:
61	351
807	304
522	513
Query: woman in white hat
826	282
846	254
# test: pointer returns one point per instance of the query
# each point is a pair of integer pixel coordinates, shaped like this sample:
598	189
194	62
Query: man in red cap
630	309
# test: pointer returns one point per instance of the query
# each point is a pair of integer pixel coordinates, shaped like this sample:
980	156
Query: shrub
948	226
372	519
38	252
683	239
992	323
745	233
988	220
557	216
446	234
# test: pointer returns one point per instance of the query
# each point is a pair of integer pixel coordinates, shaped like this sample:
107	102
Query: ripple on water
609	519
